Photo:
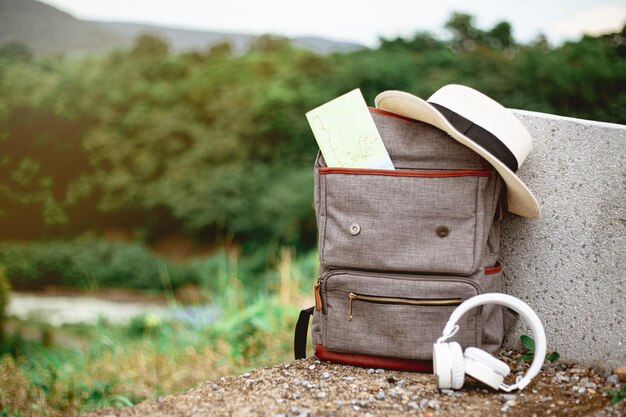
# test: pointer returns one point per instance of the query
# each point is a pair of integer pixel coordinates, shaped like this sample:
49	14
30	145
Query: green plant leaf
121	399
617	395
528	343
552	356
527	357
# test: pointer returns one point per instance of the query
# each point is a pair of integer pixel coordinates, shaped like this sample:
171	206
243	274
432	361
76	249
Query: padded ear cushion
458	367
442	364
481	356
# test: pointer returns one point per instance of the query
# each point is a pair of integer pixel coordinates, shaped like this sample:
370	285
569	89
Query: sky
361	21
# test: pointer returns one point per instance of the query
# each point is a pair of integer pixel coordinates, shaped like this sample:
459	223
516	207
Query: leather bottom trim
494	269
370	361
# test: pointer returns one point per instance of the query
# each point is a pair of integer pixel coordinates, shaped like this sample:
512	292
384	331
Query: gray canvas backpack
399	250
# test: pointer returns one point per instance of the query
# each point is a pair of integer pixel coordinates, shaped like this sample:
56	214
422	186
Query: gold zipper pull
351	296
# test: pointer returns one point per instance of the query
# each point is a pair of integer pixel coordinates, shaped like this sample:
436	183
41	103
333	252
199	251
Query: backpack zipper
322	279
400	300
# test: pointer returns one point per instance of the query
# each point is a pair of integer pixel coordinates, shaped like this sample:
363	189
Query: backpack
400	249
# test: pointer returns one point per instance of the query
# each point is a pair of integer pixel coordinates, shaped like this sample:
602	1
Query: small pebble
319	395
215	387
246	375
613	379
279	401
401	383
508	397
434	404
413	405
371	371
561	378
340	403
448	392
311	367
279	415
325	375
380	395
380	371
424	402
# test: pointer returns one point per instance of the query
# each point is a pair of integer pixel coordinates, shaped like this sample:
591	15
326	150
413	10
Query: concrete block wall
570	265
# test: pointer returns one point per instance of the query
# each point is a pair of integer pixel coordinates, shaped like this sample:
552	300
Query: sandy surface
312	388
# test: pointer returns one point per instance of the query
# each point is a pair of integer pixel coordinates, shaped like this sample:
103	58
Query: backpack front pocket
396	316
402	220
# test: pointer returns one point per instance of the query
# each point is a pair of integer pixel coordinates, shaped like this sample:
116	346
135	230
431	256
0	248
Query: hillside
186	39
45	29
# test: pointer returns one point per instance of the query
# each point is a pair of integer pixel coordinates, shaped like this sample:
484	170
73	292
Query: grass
118	366
124	365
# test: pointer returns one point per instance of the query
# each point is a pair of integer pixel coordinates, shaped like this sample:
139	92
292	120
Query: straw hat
479	123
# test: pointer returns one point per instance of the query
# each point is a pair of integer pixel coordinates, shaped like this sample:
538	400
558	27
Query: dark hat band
480	136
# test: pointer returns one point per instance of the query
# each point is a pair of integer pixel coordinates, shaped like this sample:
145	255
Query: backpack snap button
442	231
355	229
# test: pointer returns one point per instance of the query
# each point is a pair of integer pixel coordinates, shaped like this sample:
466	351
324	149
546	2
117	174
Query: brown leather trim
387	113
370	361
318	298
494	269
406	172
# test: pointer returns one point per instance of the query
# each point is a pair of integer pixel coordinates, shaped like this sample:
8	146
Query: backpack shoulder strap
299	337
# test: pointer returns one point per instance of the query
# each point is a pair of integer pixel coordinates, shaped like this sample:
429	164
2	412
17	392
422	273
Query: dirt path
313	388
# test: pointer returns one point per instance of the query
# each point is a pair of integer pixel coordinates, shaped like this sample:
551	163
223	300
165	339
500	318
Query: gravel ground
309	387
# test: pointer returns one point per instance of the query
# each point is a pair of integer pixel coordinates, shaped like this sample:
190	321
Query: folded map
347	135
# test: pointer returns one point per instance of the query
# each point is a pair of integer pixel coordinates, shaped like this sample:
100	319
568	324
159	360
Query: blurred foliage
88	264
4	300
119	366
98	263
216	146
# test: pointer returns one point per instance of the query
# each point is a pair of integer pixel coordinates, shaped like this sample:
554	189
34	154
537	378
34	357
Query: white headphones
450	364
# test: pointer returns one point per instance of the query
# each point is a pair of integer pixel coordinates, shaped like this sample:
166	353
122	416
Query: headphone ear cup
458	365
484	367
442	364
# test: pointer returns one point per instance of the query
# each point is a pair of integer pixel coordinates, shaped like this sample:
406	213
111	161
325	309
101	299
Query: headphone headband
520	307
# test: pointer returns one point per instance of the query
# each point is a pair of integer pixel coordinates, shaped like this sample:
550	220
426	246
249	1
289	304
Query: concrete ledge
569	265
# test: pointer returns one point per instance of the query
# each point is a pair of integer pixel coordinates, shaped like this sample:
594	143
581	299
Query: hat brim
520	199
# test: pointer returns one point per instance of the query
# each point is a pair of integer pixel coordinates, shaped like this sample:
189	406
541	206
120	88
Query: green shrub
4	300
88	264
